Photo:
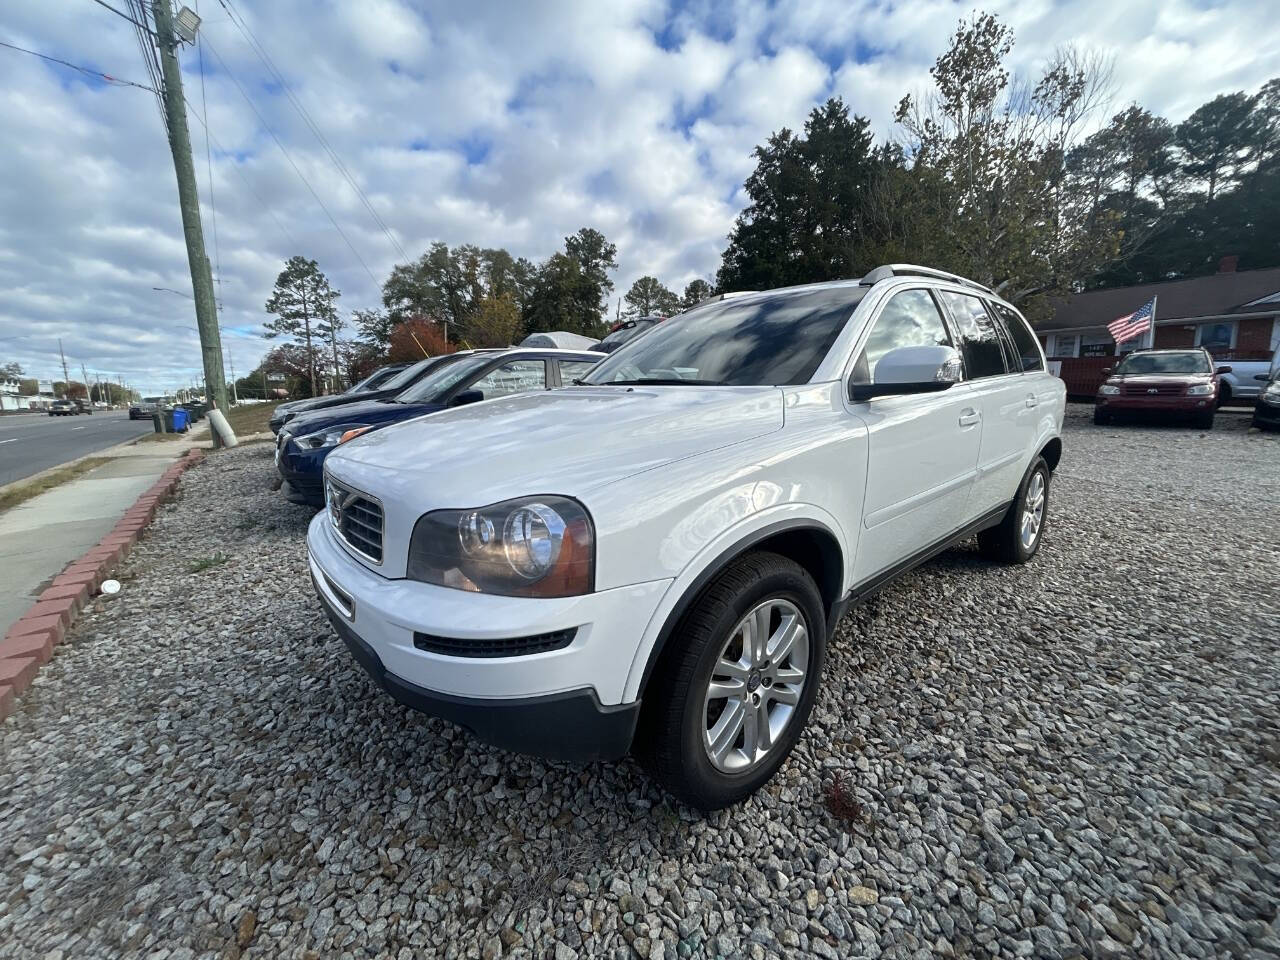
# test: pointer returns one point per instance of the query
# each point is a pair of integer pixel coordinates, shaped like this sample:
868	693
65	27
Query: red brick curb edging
30	642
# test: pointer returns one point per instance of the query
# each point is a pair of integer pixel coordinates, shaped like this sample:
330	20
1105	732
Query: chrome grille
356	517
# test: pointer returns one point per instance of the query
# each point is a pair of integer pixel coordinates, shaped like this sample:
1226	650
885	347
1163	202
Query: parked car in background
559	340
142	410
625	332
1266	409
83	406
459	379
670	584
389	387
63	408
291	408
1243	380
1177	383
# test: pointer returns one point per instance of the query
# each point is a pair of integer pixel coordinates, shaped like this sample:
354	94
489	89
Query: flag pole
1154	301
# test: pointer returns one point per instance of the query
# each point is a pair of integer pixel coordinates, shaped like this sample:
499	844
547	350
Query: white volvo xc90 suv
656	558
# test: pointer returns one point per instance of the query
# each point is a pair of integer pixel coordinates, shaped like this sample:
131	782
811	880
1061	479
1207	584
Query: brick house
1234	314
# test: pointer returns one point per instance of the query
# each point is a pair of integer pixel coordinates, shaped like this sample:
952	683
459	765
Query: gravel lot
1076	758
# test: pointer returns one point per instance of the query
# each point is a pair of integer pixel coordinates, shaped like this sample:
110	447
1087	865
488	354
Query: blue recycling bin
180	420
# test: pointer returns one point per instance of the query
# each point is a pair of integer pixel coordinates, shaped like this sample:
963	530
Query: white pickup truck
1246	379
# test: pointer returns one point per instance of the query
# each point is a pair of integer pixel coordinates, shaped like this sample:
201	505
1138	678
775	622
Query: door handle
969	418
1032	402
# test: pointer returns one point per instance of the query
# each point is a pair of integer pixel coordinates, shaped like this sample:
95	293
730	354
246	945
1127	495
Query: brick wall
1253	339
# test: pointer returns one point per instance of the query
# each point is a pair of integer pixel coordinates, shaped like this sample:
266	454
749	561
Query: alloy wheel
1033	510
755	685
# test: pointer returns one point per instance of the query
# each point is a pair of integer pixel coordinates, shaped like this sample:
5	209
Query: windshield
373	380
1193	361
407	375
443	378
770	340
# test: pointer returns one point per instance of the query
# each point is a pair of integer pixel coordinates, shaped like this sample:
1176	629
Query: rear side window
571	370
1024	341
909	319
979	341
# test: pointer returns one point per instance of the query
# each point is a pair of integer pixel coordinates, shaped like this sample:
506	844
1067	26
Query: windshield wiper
663	382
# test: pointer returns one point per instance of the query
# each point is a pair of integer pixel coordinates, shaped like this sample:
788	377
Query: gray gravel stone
1078	757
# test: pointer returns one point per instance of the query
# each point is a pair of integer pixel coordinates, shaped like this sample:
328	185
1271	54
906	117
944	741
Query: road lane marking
10	440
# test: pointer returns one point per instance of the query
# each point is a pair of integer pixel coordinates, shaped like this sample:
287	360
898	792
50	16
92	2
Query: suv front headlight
529	547
1108	390
1200	390
329	437
1273	390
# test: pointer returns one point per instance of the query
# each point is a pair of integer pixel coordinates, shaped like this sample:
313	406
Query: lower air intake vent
504	647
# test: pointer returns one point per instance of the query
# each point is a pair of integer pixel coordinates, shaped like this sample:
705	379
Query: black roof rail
888	270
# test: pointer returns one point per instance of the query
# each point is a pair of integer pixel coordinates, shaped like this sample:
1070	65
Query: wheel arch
1052	453
811	543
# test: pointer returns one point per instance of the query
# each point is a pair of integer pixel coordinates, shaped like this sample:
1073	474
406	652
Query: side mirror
1105	371
907	370
467	396
1222	370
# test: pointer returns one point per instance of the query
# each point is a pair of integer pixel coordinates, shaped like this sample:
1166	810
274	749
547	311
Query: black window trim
1044	360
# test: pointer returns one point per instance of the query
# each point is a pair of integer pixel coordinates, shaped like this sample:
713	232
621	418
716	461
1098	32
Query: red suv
1181	383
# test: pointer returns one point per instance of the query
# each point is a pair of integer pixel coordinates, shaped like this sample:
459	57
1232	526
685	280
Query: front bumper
1156	404
1267	414
302	473
562	704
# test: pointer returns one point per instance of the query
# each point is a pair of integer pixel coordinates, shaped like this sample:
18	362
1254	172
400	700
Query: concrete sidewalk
40	537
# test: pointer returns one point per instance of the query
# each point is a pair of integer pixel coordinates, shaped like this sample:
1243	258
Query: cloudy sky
503	124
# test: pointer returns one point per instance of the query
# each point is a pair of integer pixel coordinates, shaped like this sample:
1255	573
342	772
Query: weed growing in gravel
204	563
843	805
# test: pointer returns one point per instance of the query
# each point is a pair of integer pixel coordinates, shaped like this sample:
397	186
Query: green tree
989	192
495	322
11	371
570	290
304	307
374	325
695	292
648	297
1217	140
804	222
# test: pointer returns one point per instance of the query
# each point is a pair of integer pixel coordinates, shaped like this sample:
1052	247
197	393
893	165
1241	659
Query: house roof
1216	295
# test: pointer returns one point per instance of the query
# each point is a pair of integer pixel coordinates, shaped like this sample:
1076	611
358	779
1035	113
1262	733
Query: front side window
571	370
979	342
441	378
514	376
909	319
1024	341
767	340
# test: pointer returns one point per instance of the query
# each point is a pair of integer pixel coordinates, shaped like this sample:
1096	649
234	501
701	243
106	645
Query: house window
1064	345
1216	336
1095	345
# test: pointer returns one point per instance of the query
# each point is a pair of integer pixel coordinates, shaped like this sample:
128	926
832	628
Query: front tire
1100	417
1205	420
1017	538
736	685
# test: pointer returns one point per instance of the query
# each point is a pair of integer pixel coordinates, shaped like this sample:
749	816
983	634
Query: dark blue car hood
377	413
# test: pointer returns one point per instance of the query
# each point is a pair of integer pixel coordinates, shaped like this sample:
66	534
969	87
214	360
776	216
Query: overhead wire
256	45
150	56
96	74
121	13
307	183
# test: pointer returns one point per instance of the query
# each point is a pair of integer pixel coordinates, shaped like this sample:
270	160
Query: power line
150	58
122	14
97	75
266	126
261	51
257	196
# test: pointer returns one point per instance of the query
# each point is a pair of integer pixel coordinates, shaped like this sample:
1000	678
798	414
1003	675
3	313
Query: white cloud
499	124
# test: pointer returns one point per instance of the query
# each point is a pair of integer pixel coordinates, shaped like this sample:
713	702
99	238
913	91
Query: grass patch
204	563
247	418
24	491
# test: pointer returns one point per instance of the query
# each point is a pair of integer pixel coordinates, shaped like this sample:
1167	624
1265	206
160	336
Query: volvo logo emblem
753	682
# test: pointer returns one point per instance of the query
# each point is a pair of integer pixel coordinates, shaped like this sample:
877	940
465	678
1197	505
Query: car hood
565	441
365	412
298	407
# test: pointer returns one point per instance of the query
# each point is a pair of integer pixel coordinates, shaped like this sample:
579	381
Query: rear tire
1017	538
722	713
1204	421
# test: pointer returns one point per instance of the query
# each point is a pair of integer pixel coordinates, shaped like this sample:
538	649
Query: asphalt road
33	442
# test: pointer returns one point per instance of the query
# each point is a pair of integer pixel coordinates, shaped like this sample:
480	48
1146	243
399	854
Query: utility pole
85	373
175	112
66	377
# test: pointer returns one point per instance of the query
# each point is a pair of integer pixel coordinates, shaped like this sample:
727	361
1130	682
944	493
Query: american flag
1133	324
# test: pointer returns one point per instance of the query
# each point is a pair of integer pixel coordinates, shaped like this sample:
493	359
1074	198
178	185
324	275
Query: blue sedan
306	440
